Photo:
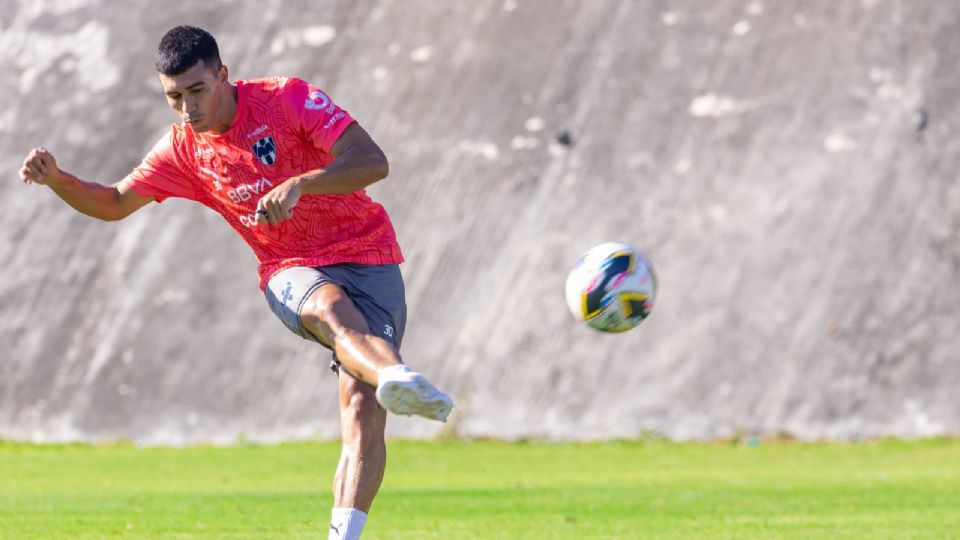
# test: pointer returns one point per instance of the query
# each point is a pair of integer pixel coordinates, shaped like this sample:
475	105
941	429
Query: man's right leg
363	458
312	305
365	360
364	454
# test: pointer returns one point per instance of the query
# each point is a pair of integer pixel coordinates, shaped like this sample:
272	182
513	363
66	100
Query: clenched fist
40	167
277	205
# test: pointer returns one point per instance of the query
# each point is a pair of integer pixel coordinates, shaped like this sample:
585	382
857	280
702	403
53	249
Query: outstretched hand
40	167
277	205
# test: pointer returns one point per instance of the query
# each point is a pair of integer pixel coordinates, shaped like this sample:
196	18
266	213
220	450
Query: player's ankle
390	372
346	523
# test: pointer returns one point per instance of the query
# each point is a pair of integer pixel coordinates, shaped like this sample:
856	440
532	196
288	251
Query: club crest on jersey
266	150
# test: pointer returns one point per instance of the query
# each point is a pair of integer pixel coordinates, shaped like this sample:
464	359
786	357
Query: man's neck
229	111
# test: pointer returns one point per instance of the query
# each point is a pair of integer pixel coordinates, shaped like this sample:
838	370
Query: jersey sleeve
313	114
159	175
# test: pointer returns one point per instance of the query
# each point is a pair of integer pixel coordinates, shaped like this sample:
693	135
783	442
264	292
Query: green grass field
480	490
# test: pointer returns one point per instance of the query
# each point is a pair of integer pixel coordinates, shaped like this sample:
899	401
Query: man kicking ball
287	168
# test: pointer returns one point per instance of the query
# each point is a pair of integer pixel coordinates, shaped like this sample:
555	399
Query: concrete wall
789	167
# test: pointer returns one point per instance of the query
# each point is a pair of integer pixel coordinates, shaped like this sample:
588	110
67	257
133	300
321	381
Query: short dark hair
182	47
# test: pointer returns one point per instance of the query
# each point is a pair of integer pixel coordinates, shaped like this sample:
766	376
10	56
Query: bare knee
319	317
330	314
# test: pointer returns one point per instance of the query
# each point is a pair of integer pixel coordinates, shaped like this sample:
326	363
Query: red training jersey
283	127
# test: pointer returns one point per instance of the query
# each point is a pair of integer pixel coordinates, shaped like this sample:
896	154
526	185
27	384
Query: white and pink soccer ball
612	288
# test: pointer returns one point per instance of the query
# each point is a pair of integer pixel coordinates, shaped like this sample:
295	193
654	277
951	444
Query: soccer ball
612	288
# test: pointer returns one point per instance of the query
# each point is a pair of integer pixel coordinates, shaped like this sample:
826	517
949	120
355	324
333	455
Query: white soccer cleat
406	392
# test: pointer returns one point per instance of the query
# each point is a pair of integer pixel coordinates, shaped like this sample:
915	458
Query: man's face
197	95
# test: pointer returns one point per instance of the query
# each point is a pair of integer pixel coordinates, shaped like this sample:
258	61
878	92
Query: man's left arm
357	162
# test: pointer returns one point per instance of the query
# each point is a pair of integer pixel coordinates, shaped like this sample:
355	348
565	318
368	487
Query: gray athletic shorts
376	290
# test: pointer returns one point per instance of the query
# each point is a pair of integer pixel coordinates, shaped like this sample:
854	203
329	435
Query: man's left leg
332	316
316	306
363	457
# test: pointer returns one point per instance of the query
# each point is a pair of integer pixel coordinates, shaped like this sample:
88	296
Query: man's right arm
108	203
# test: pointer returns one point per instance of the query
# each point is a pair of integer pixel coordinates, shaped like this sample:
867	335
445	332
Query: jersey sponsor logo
333	119
214	176
266	150
317	101
257	131
246	192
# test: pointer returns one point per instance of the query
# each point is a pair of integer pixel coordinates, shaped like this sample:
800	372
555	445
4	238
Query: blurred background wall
789	167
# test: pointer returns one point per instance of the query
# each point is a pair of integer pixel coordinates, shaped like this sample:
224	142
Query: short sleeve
314	115
159	175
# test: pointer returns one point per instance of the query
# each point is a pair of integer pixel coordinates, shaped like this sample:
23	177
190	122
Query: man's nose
188	105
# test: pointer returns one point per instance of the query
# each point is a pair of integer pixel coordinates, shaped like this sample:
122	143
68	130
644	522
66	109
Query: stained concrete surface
789	167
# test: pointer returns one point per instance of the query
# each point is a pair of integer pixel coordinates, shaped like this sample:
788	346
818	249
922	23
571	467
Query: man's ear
223	73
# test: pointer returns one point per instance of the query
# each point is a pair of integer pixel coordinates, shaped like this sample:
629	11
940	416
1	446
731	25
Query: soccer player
286	167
